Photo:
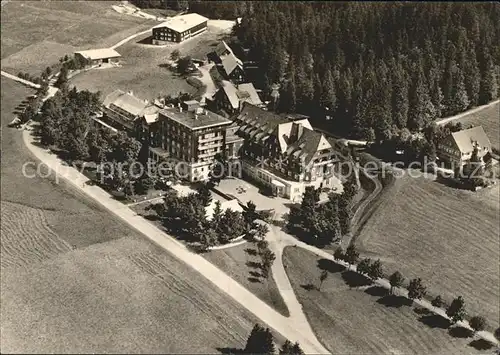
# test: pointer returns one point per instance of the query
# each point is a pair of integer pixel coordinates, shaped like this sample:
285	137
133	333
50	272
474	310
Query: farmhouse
221	50
231	68
230	97
179	28
96	57
457	148
295	155
123	109
228	64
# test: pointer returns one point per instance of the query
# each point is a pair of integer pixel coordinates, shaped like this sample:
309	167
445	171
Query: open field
239	264
123	296
489	118
74	279
143	68
36	34
448	237
352	321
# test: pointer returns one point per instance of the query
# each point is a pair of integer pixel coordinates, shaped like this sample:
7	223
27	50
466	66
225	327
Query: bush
438	301
339	254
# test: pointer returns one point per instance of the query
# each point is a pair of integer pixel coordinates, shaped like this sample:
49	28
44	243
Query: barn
96	57
179	28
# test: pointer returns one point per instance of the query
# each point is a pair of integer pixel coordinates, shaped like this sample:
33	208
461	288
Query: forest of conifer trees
376	66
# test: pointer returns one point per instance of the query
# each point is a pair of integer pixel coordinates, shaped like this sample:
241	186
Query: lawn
489	118
448	237
123	296
75	279
364	321
241	266
143	68
37	33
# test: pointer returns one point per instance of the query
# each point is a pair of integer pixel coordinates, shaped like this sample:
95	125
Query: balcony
209	146
205	140
206	155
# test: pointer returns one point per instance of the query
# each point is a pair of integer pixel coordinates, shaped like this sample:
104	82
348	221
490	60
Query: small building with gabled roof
457	148
230	97
97	57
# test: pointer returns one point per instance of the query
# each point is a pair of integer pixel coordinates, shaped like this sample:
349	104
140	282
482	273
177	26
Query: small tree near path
290	349
376	271
268	258
456	310
364	266
438	301
322	277
416	289
477	323
396	280
351	255
175	55
338	254
260	341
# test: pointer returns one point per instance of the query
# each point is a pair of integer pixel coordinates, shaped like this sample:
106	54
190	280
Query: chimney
131	93
180	109
195	116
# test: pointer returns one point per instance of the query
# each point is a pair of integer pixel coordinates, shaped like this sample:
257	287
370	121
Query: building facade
193	138
286	156
456	149
126	112
179	28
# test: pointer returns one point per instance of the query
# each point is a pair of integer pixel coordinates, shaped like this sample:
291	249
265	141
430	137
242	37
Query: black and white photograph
250	177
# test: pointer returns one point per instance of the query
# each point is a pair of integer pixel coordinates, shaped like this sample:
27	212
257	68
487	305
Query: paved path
125	40
474	110
278	240
206	79
283	325
16	78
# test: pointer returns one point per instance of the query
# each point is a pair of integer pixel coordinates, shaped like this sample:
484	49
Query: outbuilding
96	57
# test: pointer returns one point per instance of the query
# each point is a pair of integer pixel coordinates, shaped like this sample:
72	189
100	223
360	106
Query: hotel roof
193	120
183	23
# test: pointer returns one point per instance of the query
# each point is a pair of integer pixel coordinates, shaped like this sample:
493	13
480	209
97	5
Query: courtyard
245	192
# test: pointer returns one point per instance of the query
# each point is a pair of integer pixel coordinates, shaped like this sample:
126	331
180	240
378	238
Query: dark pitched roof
222	49
308	144
230	62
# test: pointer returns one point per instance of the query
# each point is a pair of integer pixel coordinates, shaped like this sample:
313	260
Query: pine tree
422	110
488	87
459	101
328	97
260	341
472	77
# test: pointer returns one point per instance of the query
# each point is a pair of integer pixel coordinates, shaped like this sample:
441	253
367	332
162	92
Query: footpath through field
285	326
16	78
460	115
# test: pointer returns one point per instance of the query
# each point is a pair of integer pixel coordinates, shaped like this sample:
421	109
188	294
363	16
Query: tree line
374	67
373	270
